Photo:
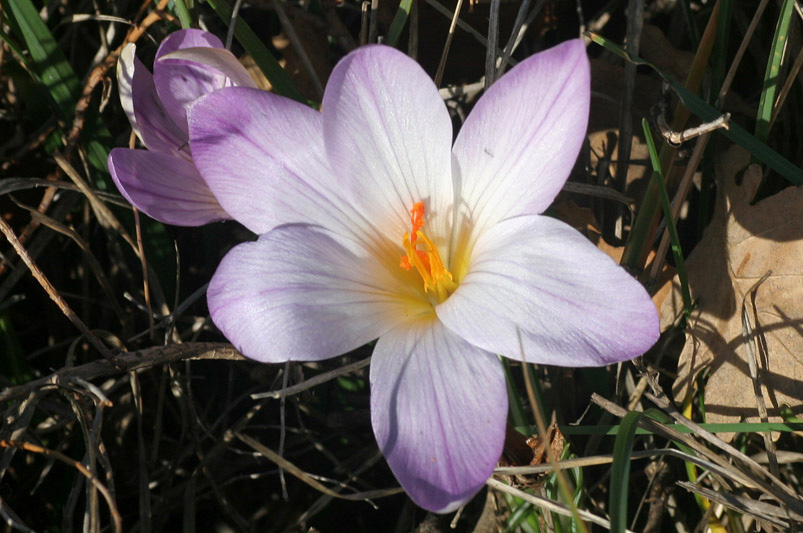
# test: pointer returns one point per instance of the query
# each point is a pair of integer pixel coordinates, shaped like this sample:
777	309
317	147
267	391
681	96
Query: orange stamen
417	220
427	262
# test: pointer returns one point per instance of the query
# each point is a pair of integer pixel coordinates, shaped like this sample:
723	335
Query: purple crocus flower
374	226
162	181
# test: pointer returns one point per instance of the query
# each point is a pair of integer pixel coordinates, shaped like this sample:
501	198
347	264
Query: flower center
427	261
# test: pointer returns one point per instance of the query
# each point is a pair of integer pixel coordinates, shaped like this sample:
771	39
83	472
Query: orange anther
417	220
427	262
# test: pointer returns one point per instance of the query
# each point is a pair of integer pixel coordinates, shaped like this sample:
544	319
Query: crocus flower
374	226
162	181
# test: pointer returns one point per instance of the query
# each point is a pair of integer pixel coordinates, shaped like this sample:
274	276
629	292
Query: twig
548	504
446	12
776	487
677	202
129	361
608	459
365	8
143	261
283	429
750	340
317	380
635	23
102	212
232	24
99	73
11	519
755	508
309	480
563	483
287	25
92	261
676	138
412	39
787	85
520	26
448	44
96	483
490	49
372	21
51	291
737	59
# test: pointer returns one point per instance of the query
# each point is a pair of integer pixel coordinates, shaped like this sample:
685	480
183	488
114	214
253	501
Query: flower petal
164	187
219	59
145	112
298	294
388	135
537	285
519	143
438	408
126	69
262	155
180	83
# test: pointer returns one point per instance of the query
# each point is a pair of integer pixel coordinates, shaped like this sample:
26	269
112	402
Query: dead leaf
742	243
657	49
604	155
583	220
607	88
530	451
315	46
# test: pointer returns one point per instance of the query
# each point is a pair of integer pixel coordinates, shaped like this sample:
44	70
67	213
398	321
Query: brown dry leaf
583	220
607	87
604	150
657	49
315	45
743	243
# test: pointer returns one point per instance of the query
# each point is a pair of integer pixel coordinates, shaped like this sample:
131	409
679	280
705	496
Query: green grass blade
620	471
47	60
707	113
276	75
399	20
50	68
680	263
183	13
767	101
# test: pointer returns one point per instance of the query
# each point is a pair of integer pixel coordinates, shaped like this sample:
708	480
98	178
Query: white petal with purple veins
537	285
264	175
388	136
298	294
519	143
439	408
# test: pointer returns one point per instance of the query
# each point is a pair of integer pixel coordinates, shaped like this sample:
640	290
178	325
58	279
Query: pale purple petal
180	83
164	187
538	286
126	69
262	155
438	408
298	294
145	112
388	136
219	59
519	143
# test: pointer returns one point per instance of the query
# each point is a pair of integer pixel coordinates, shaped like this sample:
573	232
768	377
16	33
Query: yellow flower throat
427	261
